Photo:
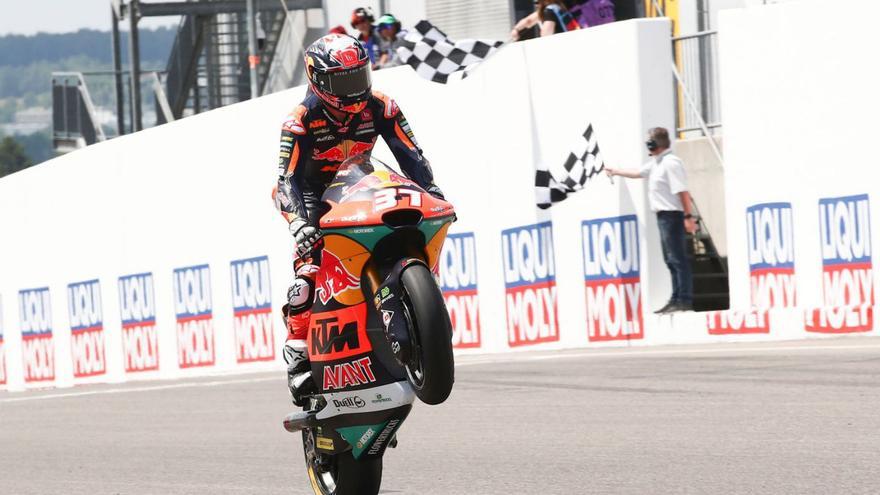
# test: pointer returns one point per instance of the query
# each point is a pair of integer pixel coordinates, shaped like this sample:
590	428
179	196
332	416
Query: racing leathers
314	143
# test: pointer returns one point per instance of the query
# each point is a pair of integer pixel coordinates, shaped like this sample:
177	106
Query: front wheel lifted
431	370
341	474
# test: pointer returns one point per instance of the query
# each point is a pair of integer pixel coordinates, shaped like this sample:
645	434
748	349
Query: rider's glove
305	236
435	191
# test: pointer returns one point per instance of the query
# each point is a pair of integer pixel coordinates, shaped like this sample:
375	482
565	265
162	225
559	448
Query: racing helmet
338	69
388	21
360	15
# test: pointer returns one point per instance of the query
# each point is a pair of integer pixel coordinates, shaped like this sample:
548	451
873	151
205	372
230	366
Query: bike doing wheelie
379	333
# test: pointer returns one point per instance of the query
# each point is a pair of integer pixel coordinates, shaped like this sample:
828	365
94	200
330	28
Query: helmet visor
344	83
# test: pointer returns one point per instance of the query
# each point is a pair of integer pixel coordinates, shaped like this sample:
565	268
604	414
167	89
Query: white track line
508	358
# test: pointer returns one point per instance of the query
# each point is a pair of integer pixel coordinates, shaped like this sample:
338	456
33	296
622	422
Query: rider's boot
299	371
297	315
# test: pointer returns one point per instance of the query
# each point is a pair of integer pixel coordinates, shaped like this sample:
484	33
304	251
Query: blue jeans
672	239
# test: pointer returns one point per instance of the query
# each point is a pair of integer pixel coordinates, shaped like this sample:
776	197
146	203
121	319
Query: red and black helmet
338	68
360	15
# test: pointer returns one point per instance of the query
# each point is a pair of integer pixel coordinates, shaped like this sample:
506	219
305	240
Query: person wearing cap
362	19
390	38
669	199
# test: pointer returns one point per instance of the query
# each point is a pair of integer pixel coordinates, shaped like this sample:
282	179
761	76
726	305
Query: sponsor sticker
35	323
351	374
530	284
252	310
86	328
325	443
384	436
458	281
612	279
771	255
847	269
140	339
340	334
734	322
193	308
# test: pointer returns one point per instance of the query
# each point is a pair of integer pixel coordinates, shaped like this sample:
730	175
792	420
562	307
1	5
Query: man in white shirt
669	199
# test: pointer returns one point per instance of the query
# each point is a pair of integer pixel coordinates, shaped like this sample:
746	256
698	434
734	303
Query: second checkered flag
554	184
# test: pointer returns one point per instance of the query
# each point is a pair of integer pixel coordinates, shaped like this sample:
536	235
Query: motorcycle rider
340	117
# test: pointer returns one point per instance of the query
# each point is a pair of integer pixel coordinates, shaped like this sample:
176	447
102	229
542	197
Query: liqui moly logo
612	278
771	255
458	280
530	283
35	318
252	310
140	339
195	321
847	271
734	322
86	328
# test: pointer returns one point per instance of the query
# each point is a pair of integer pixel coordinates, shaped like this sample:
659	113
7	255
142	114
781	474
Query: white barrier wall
800	105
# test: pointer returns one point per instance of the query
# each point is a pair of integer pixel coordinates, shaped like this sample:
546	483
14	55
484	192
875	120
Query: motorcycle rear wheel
431	371
345	476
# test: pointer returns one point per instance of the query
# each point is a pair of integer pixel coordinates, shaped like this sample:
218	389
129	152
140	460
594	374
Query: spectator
362	19
669	199
591	13
552	16
338	30
390	37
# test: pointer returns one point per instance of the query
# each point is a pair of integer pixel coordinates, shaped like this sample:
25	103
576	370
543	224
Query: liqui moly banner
847	272
140	339
530	284
771	255
35	319
458	280
735	322
611	278
86	328
252	310
195	317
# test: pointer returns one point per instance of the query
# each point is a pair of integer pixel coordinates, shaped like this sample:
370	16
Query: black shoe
666	309
682	306
301	386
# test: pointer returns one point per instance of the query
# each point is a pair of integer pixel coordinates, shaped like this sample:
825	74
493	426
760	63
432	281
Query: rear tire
432	370
346	475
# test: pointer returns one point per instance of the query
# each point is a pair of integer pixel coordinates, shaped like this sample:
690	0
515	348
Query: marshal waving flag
436	57
553	184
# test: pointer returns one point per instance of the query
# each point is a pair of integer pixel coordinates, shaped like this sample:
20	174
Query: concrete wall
706	181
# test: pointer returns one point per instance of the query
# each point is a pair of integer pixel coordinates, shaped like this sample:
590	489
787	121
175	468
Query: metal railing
698	92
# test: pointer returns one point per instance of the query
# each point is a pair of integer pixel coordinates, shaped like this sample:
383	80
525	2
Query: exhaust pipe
300	420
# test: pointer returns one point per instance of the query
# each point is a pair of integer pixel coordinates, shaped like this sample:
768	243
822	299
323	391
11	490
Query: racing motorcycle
379	334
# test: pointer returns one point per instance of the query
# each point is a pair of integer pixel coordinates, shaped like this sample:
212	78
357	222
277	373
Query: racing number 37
388	198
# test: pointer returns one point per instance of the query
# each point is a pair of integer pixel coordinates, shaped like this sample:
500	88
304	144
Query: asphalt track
786	418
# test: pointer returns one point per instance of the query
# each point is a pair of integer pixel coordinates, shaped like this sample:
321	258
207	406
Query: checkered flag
553	184
436	57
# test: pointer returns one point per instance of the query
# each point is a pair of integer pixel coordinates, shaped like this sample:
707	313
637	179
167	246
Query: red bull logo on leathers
530	283
86	328
140	339
252	310
195	321
458	280
847	269
342	151
35	319
612	278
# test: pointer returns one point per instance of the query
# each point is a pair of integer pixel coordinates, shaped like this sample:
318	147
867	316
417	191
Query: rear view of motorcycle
379	335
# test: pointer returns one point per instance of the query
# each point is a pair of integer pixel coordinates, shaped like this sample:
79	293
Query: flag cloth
436	57
553	184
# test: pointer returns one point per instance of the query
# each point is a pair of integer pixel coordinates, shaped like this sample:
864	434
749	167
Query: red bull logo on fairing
847	270
334	278
252	310
35	319
86	328
458	281
530	284
195	321
612	278
140	339
771	255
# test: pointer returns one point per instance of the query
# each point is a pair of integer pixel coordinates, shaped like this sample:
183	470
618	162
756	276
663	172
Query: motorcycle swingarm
389	305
